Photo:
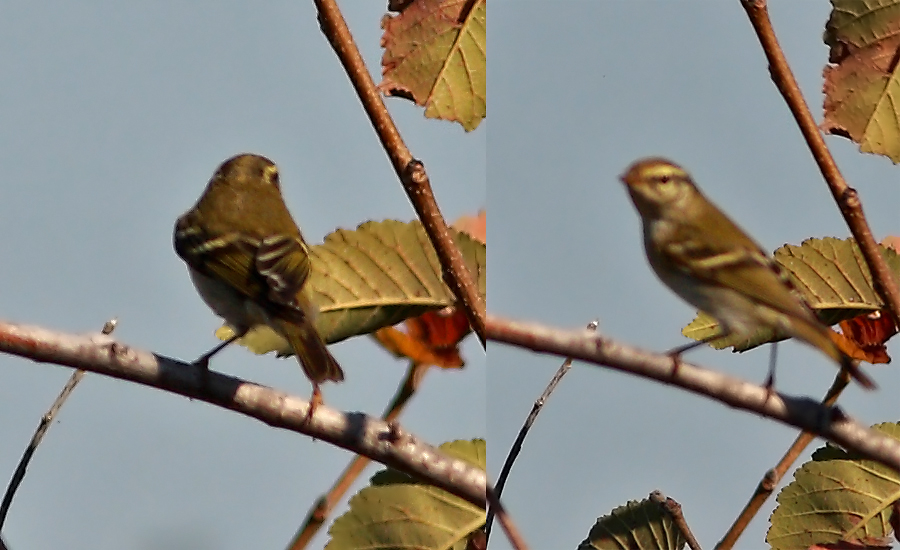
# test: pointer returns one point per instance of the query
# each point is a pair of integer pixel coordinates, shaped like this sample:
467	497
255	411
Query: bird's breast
227	303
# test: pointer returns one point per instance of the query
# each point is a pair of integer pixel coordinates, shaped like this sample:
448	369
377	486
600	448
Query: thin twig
846	197
410	171
523	432
771	478
386	443
505	521
828	422
44	425
674	510
326	503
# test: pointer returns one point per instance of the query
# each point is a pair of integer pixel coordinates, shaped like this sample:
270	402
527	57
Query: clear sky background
579	90
114	116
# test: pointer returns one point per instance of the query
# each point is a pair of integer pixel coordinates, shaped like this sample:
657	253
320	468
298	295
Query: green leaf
397	511
836	496
640	525
832	276
436	55
372	277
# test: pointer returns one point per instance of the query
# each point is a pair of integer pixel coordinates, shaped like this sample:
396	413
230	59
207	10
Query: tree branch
410	171
383	442
846	197
505	520
804	413
672	508
771	478
325	504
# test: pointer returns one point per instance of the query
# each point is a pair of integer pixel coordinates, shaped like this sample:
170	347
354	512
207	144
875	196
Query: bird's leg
314	401
675	353
770	378
203	360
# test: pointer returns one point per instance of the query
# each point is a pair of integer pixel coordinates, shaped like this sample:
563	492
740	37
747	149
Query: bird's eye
271	173
663	179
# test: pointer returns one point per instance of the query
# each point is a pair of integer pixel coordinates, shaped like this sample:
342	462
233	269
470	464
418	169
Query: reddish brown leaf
442	330
895	521
402	345
861	86
477	541
435	55
398	5
430	339
864	337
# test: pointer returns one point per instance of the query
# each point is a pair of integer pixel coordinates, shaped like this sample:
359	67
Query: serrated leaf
433	338
862	86
640	525
832	276
836	496
397	511
372	277
435	54
864	337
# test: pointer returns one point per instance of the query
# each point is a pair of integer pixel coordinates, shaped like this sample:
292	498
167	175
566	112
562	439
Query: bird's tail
317	362
853	369
817	336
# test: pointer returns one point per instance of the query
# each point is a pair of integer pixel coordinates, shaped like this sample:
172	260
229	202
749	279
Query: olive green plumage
711	263
249	262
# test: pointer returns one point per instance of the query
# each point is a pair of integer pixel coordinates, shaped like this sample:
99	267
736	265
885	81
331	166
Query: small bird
711	263
249	262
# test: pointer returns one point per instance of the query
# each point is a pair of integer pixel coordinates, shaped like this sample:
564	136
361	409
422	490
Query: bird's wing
744	268
230	257
283	261
271	269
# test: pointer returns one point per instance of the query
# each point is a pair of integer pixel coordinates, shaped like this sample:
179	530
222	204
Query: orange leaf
864	337
439	329
475	226
430	339
891	241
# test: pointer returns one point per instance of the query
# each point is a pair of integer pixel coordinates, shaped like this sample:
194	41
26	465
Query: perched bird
712	264
249	262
